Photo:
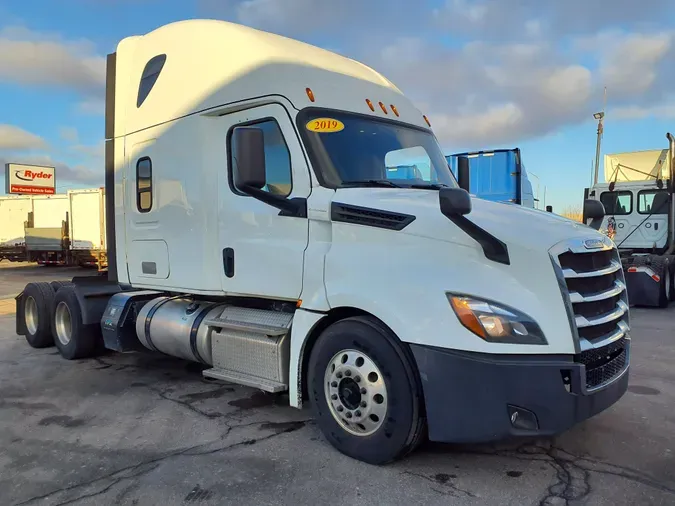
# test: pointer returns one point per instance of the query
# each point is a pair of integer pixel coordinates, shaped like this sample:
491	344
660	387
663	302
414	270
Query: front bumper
475	397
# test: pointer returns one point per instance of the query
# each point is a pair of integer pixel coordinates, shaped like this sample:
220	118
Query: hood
511	223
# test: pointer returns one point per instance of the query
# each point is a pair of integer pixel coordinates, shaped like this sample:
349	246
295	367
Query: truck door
653	207
263	250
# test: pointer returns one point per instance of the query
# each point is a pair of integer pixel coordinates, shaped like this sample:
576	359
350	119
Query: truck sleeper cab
291	223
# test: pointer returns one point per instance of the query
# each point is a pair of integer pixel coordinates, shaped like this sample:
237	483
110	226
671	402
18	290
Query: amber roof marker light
310	94
370	104
427	120
393	108
384	108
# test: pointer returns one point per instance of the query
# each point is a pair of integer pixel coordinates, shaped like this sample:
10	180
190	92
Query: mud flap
644	285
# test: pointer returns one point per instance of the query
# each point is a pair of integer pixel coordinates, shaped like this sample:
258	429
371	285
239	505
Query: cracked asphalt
146	429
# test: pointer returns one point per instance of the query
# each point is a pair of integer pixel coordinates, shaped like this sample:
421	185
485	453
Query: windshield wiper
429	186
372	182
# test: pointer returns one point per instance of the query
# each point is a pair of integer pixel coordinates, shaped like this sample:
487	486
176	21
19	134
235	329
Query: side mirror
594	211
454	202
463	173
249	154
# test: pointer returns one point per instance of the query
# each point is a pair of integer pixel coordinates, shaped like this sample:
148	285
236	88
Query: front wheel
365	392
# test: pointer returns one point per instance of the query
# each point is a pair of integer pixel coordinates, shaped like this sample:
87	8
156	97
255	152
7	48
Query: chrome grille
594	289
603	364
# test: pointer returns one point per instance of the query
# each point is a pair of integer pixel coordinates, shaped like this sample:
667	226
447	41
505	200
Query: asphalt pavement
146	429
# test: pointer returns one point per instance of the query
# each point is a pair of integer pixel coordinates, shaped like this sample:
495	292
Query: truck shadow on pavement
130	416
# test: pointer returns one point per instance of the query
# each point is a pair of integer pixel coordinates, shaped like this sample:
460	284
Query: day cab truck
252	227
637	196
497	175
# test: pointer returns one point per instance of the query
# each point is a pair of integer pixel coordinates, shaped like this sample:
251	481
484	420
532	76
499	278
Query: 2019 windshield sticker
324	125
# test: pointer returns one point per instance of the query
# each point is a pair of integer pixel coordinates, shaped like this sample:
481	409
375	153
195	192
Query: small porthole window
144	184
149	77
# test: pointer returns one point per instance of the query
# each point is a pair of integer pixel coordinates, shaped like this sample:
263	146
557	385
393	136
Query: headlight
494	322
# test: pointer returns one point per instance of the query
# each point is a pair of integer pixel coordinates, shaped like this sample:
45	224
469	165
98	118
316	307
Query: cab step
260	321
251	347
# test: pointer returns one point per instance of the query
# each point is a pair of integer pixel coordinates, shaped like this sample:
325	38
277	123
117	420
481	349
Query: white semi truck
637	196
252	227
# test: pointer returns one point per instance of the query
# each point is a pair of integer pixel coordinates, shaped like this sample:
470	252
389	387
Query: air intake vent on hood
369	217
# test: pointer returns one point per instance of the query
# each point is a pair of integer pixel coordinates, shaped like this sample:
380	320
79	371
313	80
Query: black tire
661	266
38	305
404	426
75	340
671	274
58	284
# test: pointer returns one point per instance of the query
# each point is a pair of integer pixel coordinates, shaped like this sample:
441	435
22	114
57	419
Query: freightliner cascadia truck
252	227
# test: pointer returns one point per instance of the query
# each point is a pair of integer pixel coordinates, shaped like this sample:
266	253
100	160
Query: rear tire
671	274
661	266
72	338
373	419
38	304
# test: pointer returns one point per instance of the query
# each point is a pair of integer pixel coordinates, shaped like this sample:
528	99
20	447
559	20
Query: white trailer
14	211
47	230
252	227
87	227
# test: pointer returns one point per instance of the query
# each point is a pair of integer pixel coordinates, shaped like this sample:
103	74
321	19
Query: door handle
228	262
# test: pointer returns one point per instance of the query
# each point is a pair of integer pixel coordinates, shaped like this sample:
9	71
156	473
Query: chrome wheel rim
355	392
31	315
63	323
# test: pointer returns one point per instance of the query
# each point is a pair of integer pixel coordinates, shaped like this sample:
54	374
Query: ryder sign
29	179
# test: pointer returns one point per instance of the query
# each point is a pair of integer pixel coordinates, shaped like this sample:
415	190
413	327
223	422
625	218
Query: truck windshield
357	150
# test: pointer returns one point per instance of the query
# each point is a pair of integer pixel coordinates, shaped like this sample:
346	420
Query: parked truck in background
87	227
13	215
498	175
47	230
637	195
254	226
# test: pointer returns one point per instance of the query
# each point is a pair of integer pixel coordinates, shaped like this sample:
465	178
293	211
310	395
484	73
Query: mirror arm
296	207
493	248
595	223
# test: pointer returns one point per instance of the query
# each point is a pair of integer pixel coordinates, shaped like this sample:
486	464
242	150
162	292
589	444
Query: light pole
600	117
537	199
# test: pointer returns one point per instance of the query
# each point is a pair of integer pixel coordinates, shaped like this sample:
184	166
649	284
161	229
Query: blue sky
489	73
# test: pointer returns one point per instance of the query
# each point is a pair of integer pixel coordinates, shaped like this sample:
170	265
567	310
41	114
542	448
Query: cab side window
617	203
144	184
653	202
278	178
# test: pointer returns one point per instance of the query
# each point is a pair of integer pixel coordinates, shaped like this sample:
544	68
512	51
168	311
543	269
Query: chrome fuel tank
174	325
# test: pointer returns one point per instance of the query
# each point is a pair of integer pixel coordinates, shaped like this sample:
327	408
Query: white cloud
13	138
47	60
631	65
504	120
491	71
92	106
64	172
94	152
19	146
69	134
632	112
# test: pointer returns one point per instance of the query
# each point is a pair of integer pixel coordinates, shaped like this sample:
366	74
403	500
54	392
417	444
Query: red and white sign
29	179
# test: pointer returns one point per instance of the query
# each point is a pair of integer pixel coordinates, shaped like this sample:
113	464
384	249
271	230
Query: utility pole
544	196
600	116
